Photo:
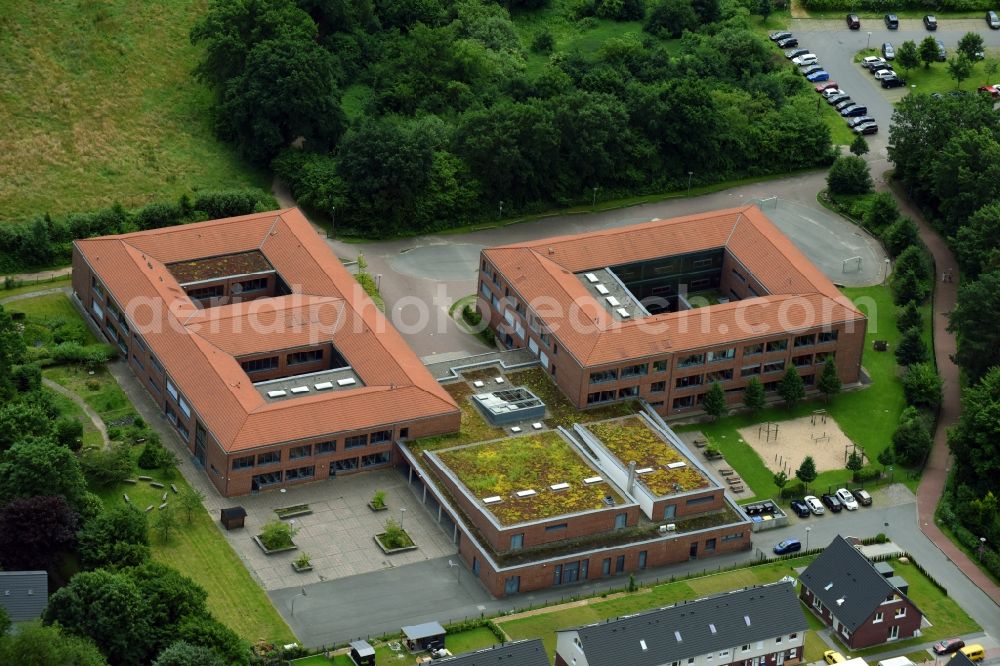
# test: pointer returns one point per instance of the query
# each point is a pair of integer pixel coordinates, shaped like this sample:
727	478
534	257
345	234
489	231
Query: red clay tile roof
547	269
198	346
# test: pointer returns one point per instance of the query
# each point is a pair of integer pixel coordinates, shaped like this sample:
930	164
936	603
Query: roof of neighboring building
847	583
521	653
799	295
694	628
959	659
199	347
24	594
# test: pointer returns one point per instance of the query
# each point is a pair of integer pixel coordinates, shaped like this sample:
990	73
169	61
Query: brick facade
878	628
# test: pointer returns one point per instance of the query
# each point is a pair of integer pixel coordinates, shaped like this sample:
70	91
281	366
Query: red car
825	85
993	90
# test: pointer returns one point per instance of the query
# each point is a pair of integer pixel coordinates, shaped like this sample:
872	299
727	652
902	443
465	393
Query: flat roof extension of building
198	347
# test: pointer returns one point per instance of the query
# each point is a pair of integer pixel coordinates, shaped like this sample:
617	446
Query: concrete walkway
82	404
935	474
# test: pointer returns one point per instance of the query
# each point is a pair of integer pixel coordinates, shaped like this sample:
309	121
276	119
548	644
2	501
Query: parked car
843	104
893	82
891	21
821	75
839	99
833	92
788	546
794	53
854	111
990	90
887	51
809	69
884	74
866	128
993	20
788	43
879	68
800	508
832	503
826	85
814	505
974	652
930	22
847	499
806	59
780	35
942	51
853	22
870	61
948	645
854	122
833	657
864	499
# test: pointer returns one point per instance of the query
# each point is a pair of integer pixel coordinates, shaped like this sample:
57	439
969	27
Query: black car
795	53
788	43
891	21
837	99
854	122
778	36
832	503
893	82
843	104
811	69
800	508
930	22
854	111
853	22
866	128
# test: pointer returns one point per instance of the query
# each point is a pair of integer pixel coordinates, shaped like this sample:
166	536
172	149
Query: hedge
45	242
881	6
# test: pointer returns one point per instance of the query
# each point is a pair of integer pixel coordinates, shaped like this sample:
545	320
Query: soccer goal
851	265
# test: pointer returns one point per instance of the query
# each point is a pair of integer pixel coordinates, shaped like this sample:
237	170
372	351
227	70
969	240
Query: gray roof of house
847	583
694	628
24	594
426	630
521	653
960	660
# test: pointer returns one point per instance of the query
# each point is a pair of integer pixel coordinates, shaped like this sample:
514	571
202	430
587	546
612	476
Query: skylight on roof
828	586
300	389
323	386
346	382
711	627
642	644
602	290
276	394
612	301
525	493
591	277
840	601
623	313
677	635
559	486
675	465
592	479
746	618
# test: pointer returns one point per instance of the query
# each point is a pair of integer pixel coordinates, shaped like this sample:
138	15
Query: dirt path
936	472
34	294
91	414
44	275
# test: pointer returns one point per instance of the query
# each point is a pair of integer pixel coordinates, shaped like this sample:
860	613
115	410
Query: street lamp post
690	173
982	548
378	282
333	221
501	209
593	203
808	530
402	512
869	41
300	593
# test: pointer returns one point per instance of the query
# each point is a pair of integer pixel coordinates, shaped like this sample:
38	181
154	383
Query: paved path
91	414
935	474
44	275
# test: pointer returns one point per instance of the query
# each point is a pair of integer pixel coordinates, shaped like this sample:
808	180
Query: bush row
46	241
881	6
947	517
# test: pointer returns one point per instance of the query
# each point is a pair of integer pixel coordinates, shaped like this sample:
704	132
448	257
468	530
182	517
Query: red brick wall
684	509
871	632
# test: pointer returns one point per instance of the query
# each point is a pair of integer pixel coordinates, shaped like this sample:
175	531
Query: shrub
68	431
543	42
908	287
882	213
911	348
153	455
899	236
909	317
912	439
378	499
394	536
303	560
849	175
922	386
277	534
793	489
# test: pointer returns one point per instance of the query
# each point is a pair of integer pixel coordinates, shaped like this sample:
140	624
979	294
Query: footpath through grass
868	416
99	105
947	617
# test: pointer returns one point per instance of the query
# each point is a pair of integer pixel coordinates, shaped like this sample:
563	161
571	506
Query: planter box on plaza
268	551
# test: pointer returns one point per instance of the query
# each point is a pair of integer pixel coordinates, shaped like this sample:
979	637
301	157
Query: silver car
815	505
847	499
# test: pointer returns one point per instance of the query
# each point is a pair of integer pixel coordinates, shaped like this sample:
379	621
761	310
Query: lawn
868	416
631	439
460	643
946	615
27	286
99	390
534	462
199	551
48	308
91	437
99	105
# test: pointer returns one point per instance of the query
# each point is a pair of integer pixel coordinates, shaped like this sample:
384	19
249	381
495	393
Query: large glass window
659	366
693	380
777	345
600	396
326	447
264	480
375	459
750	350
828	336
356	441
300	452
805	340
243	462
603	376
381	437
260	364
269	458
298	358
635	370
775	366
721	355
300	473
691	359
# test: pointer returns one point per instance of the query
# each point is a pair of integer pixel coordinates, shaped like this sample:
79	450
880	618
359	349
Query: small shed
24	594
885	569
362	653
900	584
233	517
426	636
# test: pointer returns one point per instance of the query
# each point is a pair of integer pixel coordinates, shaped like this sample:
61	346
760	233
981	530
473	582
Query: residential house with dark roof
664	309
520	653
260	348
758	626
24	594
860	604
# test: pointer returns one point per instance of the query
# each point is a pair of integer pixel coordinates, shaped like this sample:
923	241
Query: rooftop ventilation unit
590	480
591	278
525	493
323	386
671	527
300	389
276	394
828	586
642	644
346	382
559	486
601	289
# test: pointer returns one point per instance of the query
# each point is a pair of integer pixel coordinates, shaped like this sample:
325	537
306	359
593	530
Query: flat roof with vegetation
502	472
669	473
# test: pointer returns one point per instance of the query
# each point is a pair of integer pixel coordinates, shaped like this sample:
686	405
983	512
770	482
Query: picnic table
726	472
735	480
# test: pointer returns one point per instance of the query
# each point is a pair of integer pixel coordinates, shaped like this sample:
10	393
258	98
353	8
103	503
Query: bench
726	472
735	480
736	489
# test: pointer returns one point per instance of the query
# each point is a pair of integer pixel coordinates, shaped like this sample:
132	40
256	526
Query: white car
814	505
806	59
847	499
830	92
884	74
869	61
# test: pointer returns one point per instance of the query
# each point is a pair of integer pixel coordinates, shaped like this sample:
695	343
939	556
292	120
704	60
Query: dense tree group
450	123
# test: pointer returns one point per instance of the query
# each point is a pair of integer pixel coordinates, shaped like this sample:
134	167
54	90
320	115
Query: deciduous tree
806	473
849	175
928	51
922	386
859	146
908	56
753	394
116	538
959	69
900	235
829	382
40	467
977	243
36	645
912	440
181	653
974	322
36	531
791	388
971	46
190	501
715	401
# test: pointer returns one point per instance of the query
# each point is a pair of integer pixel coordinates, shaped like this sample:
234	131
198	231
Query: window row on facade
318	449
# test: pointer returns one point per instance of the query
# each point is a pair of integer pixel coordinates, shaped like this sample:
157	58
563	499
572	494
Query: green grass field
91	437
42	309
868	417
466	641
27	287
948	619
98	105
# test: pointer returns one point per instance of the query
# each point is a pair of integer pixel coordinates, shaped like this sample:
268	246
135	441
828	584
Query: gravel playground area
818	436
